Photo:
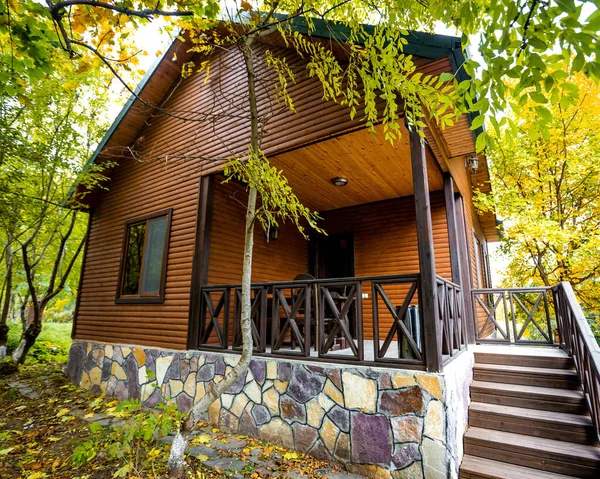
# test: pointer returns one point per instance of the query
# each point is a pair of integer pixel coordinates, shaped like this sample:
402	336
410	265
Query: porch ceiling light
339	181
472	163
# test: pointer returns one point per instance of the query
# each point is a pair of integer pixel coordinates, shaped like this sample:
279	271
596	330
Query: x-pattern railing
258	314
399	328
577	339
513	315
340	309
298	303
320	319
451	314
215	317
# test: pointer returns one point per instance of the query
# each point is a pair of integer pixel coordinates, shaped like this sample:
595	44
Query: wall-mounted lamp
339	181
472	163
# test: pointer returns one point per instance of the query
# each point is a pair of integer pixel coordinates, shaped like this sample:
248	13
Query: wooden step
544	358
480	468
531	397
532	422
538	453
542	377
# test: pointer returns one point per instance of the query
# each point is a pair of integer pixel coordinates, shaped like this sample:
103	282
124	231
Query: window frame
144	299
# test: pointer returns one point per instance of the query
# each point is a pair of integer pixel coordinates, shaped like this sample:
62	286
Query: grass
53	343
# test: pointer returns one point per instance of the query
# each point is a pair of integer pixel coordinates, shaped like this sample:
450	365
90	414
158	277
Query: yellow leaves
62	412
37	475
202	439
291	455
246	6
4	452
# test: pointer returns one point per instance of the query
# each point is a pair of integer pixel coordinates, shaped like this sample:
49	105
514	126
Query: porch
382	288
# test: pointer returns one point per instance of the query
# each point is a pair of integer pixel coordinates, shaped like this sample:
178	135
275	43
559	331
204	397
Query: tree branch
145	14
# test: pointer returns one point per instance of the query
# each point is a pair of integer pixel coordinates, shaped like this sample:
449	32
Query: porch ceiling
376	170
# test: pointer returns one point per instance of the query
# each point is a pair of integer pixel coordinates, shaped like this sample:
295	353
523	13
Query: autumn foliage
546	188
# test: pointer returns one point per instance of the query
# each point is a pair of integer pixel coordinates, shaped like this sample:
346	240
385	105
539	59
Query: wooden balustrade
577	339
348	320
453	338
513	315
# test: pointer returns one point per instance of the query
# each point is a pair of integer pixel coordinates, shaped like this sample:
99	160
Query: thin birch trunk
176	463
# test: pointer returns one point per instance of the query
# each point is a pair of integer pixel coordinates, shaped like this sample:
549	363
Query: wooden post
452	228
428	290
200	259
465	268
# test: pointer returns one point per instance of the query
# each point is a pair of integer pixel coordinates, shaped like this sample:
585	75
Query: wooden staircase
528	418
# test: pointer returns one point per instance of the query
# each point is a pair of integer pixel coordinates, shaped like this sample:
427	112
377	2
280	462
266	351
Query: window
144	259
482	263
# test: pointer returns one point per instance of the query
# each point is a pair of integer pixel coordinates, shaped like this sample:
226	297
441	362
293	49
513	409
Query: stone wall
381	423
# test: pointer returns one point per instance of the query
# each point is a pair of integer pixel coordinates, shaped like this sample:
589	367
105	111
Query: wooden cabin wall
205	126
279	260
385	243
136	190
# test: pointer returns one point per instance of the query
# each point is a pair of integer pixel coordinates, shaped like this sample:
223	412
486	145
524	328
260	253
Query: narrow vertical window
143	265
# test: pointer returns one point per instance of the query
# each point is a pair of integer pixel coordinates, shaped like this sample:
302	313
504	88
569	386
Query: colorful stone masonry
381	423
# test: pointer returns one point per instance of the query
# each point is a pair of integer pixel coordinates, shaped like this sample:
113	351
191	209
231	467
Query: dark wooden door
333	256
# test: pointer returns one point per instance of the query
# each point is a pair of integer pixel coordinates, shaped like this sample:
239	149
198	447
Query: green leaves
277	200
545	167
477	122
538	97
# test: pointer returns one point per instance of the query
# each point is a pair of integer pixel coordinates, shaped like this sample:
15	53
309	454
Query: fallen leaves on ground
38	435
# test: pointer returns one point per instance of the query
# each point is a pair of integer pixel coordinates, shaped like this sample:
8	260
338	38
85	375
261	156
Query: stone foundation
381	423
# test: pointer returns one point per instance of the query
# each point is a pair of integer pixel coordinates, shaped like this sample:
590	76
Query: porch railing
577	339
543	316
453	338
328	320
513	315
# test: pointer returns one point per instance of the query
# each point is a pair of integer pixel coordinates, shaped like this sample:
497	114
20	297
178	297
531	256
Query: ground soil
43	417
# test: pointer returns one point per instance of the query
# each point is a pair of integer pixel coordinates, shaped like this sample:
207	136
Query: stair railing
577	339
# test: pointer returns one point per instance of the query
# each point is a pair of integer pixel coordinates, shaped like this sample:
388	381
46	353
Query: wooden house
373	320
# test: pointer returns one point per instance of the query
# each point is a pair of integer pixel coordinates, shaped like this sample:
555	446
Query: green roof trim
426	45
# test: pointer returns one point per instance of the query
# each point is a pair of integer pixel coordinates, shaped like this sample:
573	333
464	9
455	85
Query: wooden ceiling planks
376	170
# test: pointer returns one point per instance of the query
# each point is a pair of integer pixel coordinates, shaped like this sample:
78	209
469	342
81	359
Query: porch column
458	259
428	290
452	230
465	270
200	258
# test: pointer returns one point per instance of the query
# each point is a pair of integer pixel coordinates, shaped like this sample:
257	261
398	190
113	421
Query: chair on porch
314	311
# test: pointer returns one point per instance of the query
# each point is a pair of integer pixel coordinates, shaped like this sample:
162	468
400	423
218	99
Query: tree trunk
32	330
176	463
7	300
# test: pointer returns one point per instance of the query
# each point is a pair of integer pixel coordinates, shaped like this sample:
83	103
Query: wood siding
139	189
279	260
